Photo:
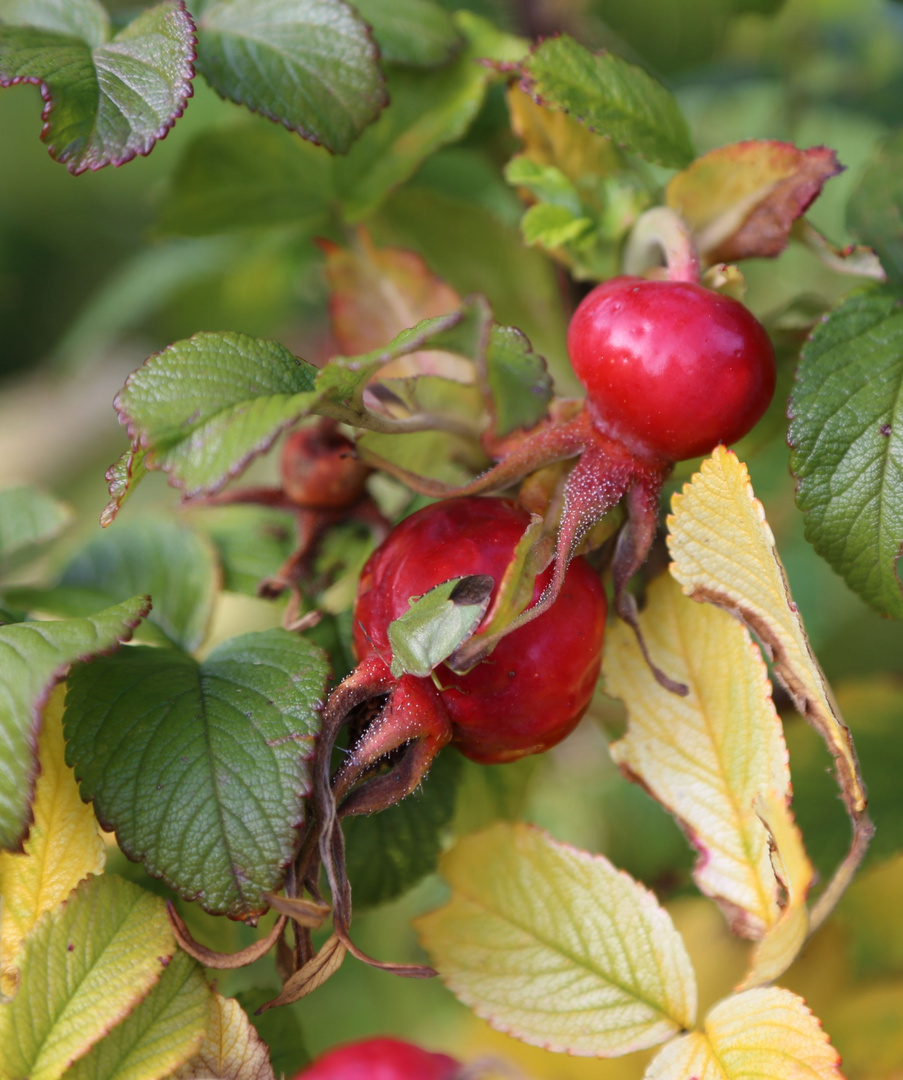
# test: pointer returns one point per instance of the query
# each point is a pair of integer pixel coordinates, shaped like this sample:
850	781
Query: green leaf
308	64
612	97
436	623
415	32
85	967
389	852
546	182
162	1033
204	407
875	209
553	226
557	947
202	768
86	19
518	387
429	110
121	478
33	656
248	175
107	99
252	542
846	435
29	519
157	556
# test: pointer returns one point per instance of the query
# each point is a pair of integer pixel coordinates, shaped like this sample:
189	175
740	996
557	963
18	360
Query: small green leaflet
437	623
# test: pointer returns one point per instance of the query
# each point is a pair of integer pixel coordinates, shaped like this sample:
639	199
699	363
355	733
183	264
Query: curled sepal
505	944
758	1033
312	975
218	960
106	98
723	552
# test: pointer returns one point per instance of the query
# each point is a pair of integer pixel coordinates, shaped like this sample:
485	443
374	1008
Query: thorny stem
659	234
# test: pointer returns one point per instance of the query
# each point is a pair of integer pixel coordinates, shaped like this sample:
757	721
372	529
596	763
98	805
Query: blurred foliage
84	284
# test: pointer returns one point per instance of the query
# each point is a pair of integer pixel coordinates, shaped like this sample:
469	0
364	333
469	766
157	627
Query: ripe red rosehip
671	369
531	691
380	1059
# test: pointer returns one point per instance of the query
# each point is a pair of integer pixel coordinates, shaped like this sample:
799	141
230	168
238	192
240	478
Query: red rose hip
671	369
380	1059
532	690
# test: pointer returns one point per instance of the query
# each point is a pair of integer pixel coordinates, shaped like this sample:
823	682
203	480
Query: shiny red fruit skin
380	1059
671	369
538	681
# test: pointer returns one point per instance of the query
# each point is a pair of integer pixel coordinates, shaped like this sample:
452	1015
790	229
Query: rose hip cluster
671	369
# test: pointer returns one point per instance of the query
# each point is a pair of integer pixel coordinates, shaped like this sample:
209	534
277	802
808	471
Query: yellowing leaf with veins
723	552
707	756
84	968
783	942
64	845
556	947
232	1050
758	1034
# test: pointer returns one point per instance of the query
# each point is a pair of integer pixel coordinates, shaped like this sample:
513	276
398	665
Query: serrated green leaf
205	406
846	435
164	1031
29	519
121	478
157	556
85	967
552	226
308	64
557	947
875	209
415	32
389	852
429	110
202	768
518	385
109	99
437	623
85	19
546	182
612	97
32	657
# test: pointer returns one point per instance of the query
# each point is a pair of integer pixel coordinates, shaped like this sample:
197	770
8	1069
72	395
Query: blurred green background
88	290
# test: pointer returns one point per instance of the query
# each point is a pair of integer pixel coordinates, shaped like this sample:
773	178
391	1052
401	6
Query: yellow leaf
760	1033
557	947
782	944
64	845
232	1050
723	552
707	756
552	137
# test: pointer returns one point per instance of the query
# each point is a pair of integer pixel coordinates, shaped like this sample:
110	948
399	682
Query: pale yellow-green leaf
64	845
232	1049
723	552
557	947
83	968
164	1031
782	944
707	756
757	1035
